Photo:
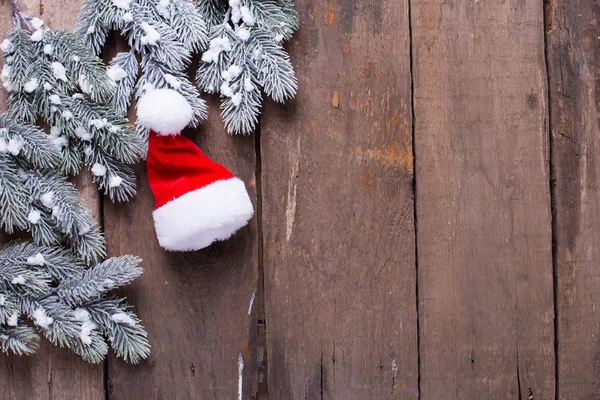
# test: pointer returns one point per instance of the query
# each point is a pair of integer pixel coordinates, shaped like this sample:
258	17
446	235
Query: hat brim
199	218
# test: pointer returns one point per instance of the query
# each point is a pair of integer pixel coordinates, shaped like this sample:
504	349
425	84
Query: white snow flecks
163	8
243	34
91	29
31	85
226	89
236	99
48	49
75	58
18	280
12	320
56	212
55	99
6	46
2	300
47	199
122	4
122	318
3	145
67	115
172	81
84	84
236	14
5	72
151	36
83	133
116	73
78	96
81	314
217	45
37	36
86	329
15	145
98	123
98	170
37	23
248	86
115	181
38	259
59	71
247	16
34	216
87	325
231	73
240	376
128	17
47	86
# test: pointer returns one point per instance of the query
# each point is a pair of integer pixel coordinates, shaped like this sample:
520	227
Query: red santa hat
197	200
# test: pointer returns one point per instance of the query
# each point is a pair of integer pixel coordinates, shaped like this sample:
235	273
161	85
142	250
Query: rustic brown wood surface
573	37
52	373
483	200
335	230
195	306
339	242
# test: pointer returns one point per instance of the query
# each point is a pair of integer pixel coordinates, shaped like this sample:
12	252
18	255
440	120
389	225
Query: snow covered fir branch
47	281
53	75
240	42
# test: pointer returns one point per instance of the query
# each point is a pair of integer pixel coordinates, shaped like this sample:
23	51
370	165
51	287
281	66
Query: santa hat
197	200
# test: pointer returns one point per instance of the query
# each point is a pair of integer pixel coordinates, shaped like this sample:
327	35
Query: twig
19	15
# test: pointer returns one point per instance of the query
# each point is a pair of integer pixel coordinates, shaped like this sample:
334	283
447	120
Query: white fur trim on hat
164	111
199	218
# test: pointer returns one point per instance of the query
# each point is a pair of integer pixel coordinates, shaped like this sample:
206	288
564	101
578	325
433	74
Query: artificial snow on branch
164	33
47	281
245	57
240	42
54	76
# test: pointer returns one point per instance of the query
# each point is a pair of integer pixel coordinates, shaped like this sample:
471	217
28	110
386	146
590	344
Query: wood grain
483	201
195	306
339	242
574	68
51	373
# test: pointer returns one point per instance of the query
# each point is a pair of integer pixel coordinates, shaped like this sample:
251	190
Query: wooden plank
339	242
195	306
52	373
572	36
483	201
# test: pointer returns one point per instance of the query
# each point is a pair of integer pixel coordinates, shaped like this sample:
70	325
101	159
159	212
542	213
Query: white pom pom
37	36
18	280
164	111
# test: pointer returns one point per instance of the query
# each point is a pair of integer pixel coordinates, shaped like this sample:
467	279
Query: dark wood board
339	241
483	201
573	41
195	306
52	373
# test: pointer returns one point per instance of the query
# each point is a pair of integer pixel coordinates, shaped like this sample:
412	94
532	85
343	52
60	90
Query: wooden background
427	225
